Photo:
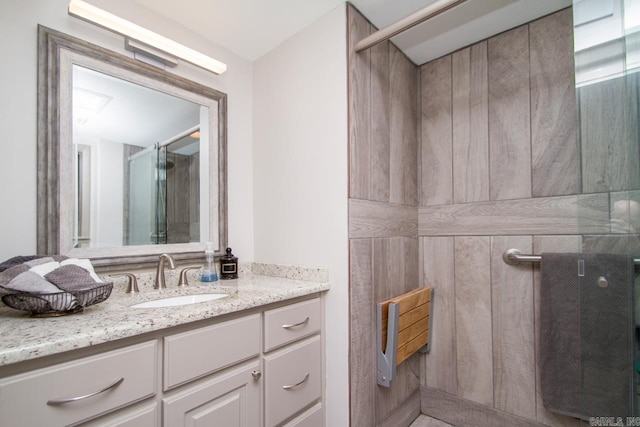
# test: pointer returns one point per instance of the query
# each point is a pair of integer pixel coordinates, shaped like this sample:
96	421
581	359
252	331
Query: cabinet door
230	399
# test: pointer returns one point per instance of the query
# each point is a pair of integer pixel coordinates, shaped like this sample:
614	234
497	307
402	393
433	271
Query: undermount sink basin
181	300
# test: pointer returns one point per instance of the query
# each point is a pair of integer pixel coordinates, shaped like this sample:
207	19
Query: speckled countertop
23	338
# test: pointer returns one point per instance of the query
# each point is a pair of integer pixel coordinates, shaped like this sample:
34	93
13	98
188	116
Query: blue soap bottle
209	273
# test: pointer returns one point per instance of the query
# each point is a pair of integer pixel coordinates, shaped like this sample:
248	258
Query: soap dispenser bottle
209	273
228	266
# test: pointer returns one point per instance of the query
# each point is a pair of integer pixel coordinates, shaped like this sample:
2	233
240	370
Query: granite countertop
23	337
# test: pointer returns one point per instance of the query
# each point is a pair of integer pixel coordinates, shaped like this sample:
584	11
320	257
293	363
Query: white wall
18	112
109	182
300	175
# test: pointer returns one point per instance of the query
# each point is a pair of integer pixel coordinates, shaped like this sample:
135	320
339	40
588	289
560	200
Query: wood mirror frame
54	198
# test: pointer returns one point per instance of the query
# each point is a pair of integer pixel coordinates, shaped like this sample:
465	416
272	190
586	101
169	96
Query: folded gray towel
71	278
12	262
586	335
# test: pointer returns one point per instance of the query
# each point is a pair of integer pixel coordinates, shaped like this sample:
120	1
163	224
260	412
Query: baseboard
461	412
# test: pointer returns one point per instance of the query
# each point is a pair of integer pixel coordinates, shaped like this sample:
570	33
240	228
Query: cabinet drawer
147	415
292	380
290	323
310	418
23	398
192	354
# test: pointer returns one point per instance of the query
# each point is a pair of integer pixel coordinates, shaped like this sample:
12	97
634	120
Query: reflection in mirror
145	163
131	158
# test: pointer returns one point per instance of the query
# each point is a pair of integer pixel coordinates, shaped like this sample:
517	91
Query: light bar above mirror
111	22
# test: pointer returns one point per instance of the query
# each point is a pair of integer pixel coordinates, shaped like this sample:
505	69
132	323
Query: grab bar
515	257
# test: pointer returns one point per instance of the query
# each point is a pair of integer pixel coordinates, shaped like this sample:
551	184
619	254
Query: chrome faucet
160	281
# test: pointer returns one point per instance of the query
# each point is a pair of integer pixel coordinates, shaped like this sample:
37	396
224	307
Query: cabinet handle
86	396
296	324
289	387
256	375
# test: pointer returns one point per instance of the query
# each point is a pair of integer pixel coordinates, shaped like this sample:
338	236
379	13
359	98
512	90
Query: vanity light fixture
102	18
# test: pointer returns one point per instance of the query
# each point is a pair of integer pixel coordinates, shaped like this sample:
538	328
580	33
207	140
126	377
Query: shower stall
527	140
161	195
147	197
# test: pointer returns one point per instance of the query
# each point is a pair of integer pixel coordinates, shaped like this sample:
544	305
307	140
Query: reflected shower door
147	216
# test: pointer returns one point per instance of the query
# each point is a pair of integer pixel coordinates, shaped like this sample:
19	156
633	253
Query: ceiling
251	28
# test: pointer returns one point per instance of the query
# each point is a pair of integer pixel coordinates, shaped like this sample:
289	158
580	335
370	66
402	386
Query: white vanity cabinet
260	367
279	379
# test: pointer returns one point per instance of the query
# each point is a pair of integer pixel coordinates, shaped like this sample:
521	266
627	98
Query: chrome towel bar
514	257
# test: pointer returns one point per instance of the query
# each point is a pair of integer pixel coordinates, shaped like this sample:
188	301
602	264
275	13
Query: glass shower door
607	42
147	216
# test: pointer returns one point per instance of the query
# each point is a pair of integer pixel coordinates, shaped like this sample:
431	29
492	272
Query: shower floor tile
426	421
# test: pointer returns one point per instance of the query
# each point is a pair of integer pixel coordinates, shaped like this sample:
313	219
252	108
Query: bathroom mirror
131	158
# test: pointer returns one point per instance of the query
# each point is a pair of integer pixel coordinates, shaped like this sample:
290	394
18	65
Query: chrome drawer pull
289	387
296	324
86	396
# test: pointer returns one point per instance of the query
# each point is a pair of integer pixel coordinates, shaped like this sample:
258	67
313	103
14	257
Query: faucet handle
132	283
183	281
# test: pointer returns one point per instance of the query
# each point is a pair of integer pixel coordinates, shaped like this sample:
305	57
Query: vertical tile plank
438	270
403	129
609	132
554	149
403	386
380	117
411	134
385	285
362	353
473	319
396	100
513	329
509	115
412	263
470	125
359	106
549	244
393	275
436	129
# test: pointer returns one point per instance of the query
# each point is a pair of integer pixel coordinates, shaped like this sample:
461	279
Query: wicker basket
60	303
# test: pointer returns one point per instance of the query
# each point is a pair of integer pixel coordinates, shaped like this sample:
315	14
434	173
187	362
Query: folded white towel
44	269
32	283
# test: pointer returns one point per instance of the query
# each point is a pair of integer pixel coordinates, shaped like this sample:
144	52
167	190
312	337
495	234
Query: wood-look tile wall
451	164
501	168
383	218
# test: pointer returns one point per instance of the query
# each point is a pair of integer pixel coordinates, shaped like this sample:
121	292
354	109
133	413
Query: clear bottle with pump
209	273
